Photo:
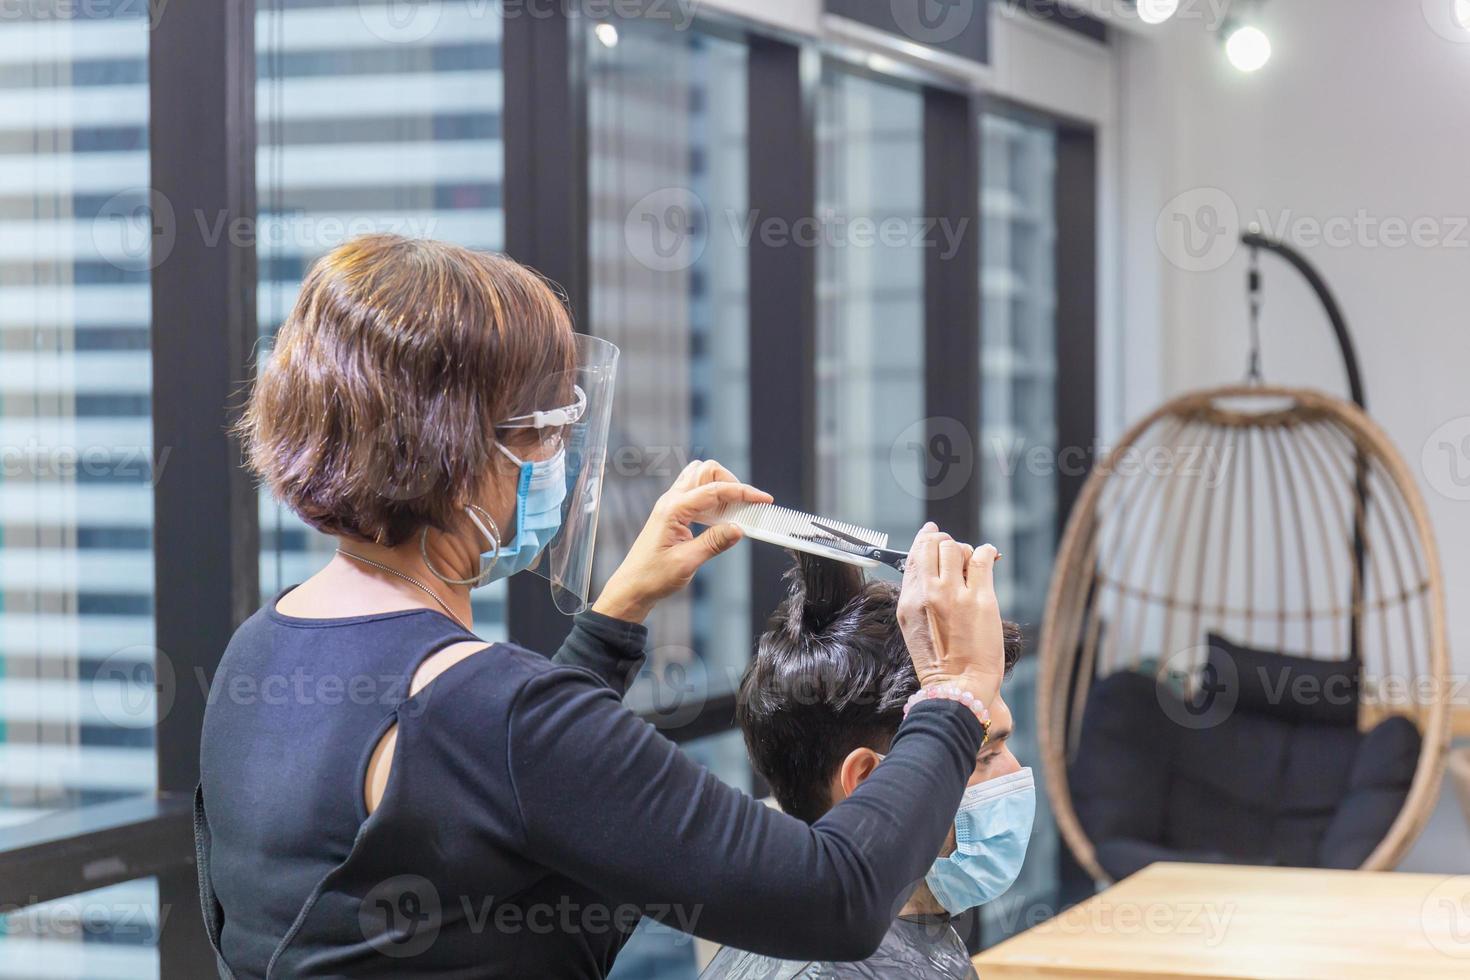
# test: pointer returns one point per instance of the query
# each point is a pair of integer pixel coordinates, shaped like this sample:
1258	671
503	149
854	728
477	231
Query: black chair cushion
1382	772
1258	787
1121	775
1279	685
1274	780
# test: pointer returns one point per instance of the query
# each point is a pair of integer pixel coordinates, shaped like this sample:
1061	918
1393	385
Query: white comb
797	530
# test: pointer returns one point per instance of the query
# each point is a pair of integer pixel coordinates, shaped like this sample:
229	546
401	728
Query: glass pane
1019	433
77	466
1034	896
870	320
659	952
666	121
1018	358
107	934
370	120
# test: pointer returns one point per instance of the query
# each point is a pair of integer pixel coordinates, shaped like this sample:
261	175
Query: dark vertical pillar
952	331
205	530
1076	276
952	312
545	213
1076	385
783	291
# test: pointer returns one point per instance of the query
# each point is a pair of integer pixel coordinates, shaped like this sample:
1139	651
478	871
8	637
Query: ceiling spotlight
607	34
1247	47
1462	13
1158	11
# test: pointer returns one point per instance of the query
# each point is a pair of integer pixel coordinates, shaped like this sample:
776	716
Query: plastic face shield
573	412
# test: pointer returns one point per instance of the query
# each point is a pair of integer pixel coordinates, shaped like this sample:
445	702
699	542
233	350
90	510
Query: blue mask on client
992	829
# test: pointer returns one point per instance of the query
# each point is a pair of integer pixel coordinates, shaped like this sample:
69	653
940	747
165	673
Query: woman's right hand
667	553
949	614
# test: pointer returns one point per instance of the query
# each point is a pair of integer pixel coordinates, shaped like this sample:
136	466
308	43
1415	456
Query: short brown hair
374	415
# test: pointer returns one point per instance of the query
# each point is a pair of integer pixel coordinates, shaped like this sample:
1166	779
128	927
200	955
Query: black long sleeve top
529	820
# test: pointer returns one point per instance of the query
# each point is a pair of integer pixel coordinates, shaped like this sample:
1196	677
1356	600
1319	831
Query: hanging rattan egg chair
1284	520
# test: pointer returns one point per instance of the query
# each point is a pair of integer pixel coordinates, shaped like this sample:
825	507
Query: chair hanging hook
1253	290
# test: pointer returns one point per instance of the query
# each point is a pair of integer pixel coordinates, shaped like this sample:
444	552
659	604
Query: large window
1018	357
667	191
373	116
756	219
77	465
870	303
1019	440
669	282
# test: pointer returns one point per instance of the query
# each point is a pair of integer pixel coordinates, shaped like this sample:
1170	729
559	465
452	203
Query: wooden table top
1201	920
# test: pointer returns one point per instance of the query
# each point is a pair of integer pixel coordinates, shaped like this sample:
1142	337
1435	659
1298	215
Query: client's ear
858	765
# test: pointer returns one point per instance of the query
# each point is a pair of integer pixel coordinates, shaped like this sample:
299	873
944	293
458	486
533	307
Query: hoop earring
489	527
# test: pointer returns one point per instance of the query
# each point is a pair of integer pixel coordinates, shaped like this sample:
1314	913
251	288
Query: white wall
1361	118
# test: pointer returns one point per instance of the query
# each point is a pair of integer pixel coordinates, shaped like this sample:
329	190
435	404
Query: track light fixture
607	33
1247	46
1158	11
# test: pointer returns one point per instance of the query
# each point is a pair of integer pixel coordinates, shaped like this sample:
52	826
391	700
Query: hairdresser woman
386	795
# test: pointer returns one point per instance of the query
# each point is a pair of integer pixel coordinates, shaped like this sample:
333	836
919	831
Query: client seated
819	706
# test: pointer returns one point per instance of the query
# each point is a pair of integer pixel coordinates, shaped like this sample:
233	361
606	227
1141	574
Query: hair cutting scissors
861	548
857	546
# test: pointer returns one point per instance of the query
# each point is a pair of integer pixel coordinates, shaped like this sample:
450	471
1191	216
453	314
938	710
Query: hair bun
821	588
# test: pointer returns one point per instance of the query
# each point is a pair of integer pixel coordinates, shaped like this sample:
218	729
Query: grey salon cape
917	948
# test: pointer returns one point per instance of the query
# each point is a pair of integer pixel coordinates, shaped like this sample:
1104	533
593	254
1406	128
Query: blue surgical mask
540	492
992	829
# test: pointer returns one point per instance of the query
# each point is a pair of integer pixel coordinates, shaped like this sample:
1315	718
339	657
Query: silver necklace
407	578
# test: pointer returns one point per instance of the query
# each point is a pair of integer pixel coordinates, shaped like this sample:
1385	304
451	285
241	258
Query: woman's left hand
667	552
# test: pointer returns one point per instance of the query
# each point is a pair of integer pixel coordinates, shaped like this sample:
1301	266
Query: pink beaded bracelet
953	692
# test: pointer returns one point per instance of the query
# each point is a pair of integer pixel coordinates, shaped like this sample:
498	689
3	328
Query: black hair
831	674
